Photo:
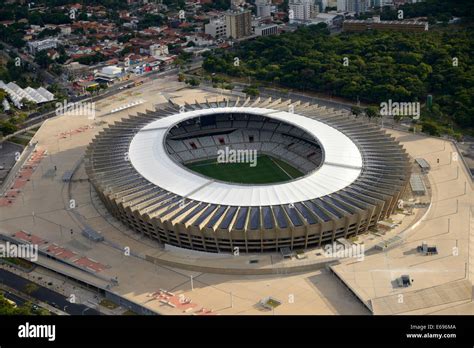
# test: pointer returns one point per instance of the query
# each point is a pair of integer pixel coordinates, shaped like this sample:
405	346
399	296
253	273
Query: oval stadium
259	175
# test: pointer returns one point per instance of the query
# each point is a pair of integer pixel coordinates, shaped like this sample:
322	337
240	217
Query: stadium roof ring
342	165
229	113
352	175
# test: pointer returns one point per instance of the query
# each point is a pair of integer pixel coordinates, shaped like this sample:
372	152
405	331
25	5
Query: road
46	295
113	90
275	94
20	301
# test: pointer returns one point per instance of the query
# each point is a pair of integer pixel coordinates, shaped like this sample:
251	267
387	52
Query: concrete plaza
55	211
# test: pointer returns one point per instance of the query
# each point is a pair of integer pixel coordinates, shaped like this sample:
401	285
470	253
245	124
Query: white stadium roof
342	164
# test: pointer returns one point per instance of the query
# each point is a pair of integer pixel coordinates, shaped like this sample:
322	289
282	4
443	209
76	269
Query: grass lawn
129	312
108	304
25	264
20	141
268	170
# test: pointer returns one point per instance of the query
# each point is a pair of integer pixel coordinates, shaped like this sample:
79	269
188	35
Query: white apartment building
264	8
265	30
40	45
65	30
357	6
217	28
302	10
157	50
381	3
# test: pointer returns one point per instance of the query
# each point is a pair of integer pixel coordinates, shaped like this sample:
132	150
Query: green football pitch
268	170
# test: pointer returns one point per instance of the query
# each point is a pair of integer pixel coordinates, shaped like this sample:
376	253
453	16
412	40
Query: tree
403	67
92	89
31	288
356	111
7	127
42	59
150	20
27	104
56	69
371	112
251	91
7	308
193	82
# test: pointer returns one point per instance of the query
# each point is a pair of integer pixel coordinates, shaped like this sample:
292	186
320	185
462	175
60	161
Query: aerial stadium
317	174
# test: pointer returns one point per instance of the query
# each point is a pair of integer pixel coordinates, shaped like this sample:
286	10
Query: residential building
40	45
302	10
200	40
264	8
65	30
265	30
217	28
158	50
356	6
330	19
382	3
75	70
238	24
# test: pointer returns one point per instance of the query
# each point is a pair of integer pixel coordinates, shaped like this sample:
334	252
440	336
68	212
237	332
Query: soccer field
268	170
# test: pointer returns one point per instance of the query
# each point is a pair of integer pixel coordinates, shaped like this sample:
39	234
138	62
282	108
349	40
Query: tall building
322	4
264	8
382	3
238	24
357	6
216	28
302	10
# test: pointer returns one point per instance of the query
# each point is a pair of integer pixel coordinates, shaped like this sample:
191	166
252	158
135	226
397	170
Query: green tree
371	112
31	288
251	91
42	59
356	111
193	82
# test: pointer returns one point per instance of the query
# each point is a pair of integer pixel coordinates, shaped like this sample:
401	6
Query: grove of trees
370	66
